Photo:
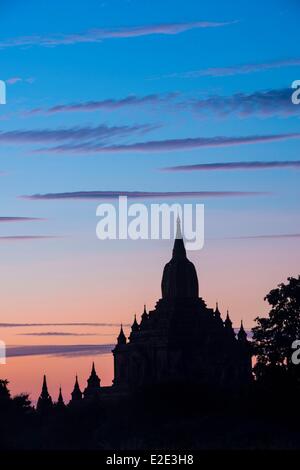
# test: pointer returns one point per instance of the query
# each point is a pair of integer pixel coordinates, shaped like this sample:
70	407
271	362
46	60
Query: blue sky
158	71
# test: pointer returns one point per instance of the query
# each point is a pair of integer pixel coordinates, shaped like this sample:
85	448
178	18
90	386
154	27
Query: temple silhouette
181	341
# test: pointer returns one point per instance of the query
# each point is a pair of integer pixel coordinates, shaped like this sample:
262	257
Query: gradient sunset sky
140	96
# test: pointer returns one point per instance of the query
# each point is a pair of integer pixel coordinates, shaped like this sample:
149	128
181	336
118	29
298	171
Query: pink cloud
14	80
98	35
235	69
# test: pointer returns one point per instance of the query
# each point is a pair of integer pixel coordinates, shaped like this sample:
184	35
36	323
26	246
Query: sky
139	96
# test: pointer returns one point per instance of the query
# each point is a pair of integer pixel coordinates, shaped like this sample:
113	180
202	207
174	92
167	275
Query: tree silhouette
17	419
273	336
4	392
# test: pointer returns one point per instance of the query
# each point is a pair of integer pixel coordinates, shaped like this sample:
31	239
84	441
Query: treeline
264	415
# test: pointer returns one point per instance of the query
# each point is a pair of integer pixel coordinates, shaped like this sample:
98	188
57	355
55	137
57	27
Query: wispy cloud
140	194
235	69
25	325
21	238
14	80
169	145
78	133
107	104
267	236
261	103
56	333
271	102
20	219
100	34
69	350
235	166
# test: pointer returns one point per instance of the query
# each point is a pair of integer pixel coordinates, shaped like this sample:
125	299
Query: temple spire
144	314
144	318
134	328
60	401
121	337
228	322
93	380
92	389
217	315
228	326
178	228
45	400
179	277
45	387
76	394
135	325
179	248
242	335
